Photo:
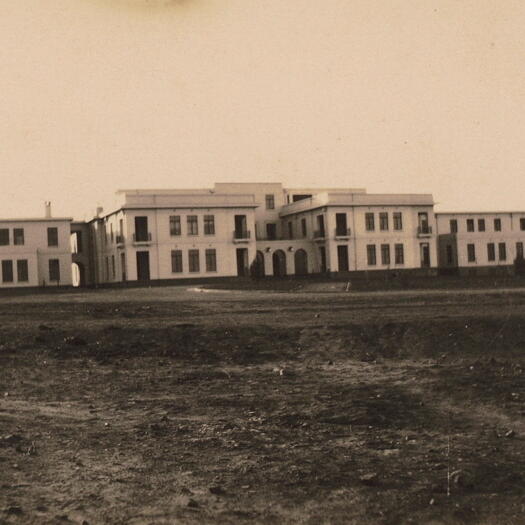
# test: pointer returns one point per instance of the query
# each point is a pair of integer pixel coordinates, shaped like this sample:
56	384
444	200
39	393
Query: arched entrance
301	262
79	274
279	263
258	265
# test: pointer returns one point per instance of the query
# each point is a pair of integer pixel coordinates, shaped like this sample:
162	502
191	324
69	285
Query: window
369	222
54	270
270	202
176	261
502	249
491	251
399	254
7	271
22	270
453	226
107	268
522	223
271	231
383	221
371	254
398	220
470	225
52	236
18	236
385	254
481	225
471	252
209	225
193	225
519	250
113	268
497	225
193	259
211	260
4	237
111	232
175	228
290	230
303	228
450	254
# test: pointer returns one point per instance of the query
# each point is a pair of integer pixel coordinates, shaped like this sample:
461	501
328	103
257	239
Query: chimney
48	209
100	209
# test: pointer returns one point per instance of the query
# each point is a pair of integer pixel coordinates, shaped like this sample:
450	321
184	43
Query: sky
406	96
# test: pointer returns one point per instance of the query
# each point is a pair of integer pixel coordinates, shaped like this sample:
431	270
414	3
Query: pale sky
412	96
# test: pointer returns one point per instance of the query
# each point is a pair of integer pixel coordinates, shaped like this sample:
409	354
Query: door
279	263
424	249
301	262
241	232
320	225
422	219
242	262
123	266
322	254
342	258
143	266
340	224
141	229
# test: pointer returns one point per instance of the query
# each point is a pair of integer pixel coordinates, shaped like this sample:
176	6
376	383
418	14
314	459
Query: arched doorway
258	265
79	274
301	262
279	263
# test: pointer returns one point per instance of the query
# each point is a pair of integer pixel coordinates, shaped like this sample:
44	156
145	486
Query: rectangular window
22	270
290	230
519	250
481	225
303	228
113	268
371	254
270	202
385	254
209	225
175	228
470	225
453	226
176	261
369	222
471	252
491	251
399	254
7	271
4	237
497	225
107	268
398	220
383	221
271	231
502	249
52	236
211	260
54	270
111	232
193	260
522	223
18	236
193	225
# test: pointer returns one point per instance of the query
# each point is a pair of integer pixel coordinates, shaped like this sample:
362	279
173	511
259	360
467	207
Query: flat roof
476	212
38	219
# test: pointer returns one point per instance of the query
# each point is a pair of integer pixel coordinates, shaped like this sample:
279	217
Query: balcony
241	236
343	233
119	239
319	235
142	238
424	231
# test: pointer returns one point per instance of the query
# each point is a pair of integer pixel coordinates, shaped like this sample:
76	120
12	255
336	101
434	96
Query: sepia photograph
262	262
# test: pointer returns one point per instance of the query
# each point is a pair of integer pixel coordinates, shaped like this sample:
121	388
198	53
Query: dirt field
174	406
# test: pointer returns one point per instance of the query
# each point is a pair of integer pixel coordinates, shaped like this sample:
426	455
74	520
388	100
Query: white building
35	252
480	242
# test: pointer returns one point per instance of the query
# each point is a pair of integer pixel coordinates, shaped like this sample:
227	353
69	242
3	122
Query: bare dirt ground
174	406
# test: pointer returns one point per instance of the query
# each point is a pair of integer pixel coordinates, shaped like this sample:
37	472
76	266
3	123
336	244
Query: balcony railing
241	235
141	237
319	234
424	231
343	232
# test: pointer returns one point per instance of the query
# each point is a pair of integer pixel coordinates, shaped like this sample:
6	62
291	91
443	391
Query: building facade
480	242
35	252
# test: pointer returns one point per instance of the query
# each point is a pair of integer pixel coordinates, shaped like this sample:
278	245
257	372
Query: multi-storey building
35	252
480	242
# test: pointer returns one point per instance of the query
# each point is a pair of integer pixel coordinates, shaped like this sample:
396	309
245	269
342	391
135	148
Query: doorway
143	273
279	263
